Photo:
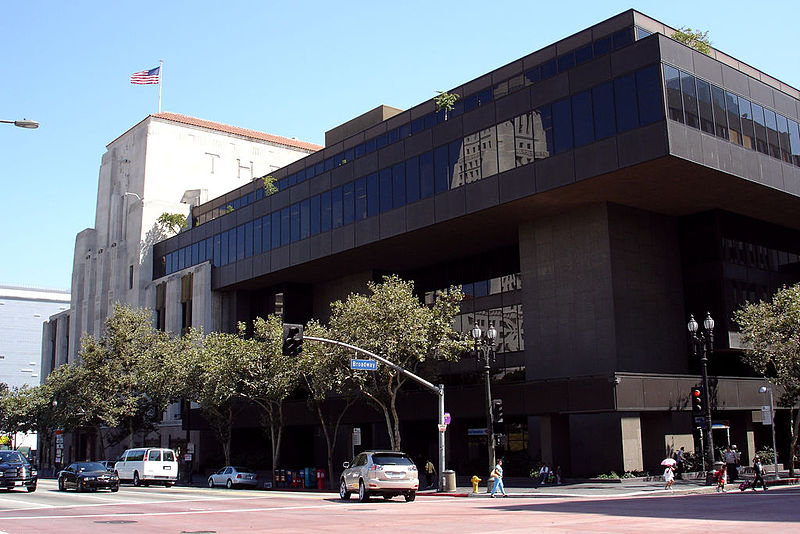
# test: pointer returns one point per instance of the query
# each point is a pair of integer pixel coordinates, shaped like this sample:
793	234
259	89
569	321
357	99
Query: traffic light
497	410
292	339
697	398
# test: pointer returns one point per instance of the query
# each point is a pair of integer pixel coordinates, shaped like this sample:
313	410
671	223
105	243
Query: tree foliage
171	222
696	39
445	101
269	185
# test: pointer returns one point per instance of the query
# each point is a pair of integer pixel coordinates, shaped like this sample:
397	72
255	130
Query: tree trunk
396	422
102	443
794	430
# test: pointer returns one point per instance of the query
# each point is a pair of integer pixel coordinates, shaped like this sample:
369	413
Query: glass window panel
266	234
505	146
771	121
549	69
794	141
350	154
718	107
602	46
582	119
294	222
276	229
783	139
195	251
523	140
481	318
562	126
380	141
472	158
641	33
385	187
217	259
566	62
258	237
201	251
690	100
305	218
394	135
259	193
516	83
369	146
510	330
748	130
455	171
361	199
543	132
315	219
359	150
248	198
405	131
760	128
348	202
233	242
704	103
283	184
481	288
488	151
426	175
623	37
440	165
603	108
336	207
248	240
319	168
496	319
328	163
373	196
310	172
672	79
325	211
533	76
584	54
495	286
430	120
412	179
734	121
625	103
648	95
223	256
520	329
418	125
181	260
500	89
485	96
468	290
399	185
301	175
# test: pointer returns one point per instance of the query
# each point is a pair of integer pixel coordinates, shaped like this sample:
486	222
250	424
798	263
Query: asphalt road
202	510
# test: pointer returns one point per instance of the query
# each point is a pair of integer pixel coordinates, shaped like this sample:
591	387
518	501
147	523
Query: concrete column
554	432
631	431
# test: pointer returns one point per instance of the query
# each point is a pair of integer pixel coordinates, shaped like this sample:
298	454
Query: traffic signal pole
439	390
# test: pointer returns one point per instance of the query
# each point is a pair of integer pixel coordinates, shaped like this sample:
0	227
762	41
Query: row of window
507	320
562	63
707	107
758	256
482	288
625	103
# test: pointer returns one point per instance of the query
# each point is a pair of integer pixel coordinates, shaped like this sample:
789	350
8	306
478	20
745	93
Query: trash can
448	480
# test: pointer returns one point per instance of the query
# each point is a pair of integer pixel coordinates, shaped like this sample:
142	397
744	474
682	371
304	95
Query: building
164	164
589	197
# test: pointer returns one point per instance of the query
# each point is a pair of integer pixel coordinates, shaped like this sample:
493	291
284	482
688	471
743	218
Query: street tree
393	323
699	40
770	332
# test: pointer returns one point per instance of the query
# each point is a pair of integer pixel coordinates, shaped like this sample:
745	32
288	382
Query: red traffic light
696	392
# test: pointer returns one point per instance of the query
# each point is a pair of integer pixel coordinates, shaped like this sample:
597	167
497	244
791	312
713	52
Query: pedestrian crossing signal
292	339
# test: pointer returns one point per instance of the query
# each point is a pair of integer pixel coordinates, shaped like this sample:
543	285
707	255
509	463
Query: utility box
448	480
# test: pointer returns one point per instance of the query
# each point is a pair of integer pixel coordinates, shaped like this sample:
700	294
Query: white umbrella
668	461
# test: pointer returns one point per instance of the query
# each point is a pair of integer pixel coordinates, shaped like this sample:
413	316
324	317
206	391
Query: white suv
148	466
386	473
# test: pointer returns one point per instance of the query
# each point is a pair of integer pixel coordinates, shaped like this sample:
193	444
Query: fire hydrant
475	481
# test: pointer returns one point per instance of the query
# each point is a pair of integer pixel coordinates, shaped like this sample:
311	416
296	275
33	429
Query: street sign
447	418
700	421
442	428
364	365
477	432
766	415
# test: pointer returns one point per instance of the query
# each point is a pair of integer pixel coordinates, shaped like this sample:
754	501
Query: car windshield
12	456
240	469
90	466
390	459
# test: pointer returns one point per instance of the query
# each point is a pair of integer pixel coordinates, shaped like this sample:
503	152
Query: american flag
146	76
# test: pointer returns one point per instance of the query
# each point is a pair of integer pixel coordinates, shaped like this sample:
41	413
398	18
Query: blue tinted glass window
258	237
543	139
562	126
648	95
439	116
237	203
603	108
533	75
458	109
625	103
672	79
338	159
373	196
319	168
426	175
488	149
283	184
201	253
248	198
292	180
361	199
704	103
485	96
381	141
301	175
266	233
481	288
231	245
470	102
430	120
248	239
566	62
405	130
328	164
181	259
783	138
794	141
369	146
399	185
195	250
385	185
360	150
310	172
641	33
748	131
759	128
276	229
689	90
734	123
772	133
350	154
720	116
315	219
549	69
623	37
218	250
584	54
418	125
260	193
348	203
325	211
412	179
294	222
393	135
602	46
455	171
336	208
285	227
582	119
305	218
440	165
223	256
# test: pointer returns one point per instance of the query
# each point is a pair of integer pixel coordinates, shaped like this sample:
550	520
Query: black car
87	476
16	471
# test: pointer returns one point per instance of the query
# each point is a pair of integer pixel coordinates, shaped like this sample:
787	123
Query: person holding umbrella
669	474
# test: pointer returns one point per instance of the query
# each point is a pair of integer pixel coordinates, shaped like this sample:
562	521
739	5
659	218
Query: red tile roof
277	139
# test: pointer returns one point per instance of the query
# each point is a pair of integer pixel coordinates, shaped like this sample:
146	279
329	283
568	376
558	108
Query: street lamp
704	341
484	350
24	123
764	389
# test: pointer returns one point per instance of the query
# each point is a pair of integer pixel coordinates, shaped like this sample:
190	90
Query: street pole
764	389
489	425
705	340
709	436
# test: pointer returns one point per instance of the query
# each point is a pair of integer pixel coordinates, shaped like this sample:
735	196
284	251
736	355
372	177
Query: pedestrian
544	472
722	478
680	460
497	473
758	470
669	477
731	458
558	475
430	470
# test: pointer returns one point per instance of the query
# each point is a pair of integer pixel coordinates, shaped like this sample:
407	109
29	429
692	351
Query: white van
148	466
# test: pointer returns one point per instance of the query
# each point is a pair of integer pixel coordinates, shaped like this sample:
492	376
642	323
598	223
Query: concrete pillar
554	432
631	431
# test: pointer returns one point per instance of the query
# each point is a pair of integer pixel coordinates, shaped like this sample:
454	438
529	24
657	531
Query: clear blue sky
289	68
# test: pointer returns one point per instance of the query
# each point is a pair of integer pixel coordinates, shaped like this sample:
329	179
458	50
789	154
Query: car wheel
210	483
410	496
114	489
78	487
61	486
168	484
136	481
387	496
343	493
363	494
31	489
229	484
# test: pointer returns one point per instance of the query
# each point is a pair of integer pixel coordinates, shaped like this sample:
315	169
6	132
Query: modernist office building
588	197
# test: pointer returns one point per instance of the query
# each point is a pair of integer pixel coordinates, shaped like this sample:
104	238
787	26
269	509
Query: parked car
17	472
108	464
386	473
232	476
87	476
145	466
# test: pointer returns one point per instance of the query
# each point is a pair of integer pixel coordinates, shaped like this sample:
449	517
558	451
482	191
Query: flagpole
160	77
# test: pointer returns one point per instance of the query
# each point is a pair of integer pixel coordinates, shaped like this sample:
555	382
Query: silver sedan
232	476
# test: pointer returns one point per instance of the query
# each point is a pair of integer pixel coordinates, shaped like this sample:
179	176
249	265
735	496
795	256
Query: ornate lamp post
484	351
703	340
